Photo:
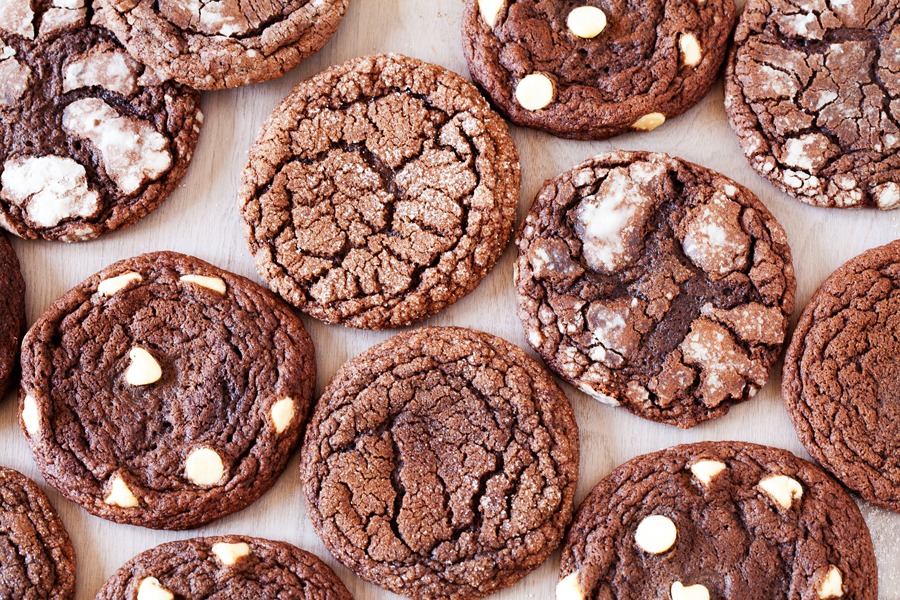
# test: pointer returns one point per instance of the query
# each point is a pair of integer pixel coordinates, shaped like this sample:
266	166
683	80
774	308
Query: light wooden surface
201	218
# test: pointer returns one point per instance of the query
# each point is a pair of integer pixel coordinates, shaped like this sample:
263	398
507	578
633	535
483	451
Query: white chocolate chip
49	188
113	70
656	534
692	592
149	589
586	21
831	585
110	286
534	92
282	414
228	554
204	467
120	495
706	470
569	588
31	416
649	122
143	369
489	11
781	489
132	150
213	283
690	50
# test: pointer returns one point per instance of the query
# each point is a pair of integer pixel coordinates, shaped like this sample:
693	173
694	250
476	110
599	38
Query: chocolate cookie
90	140
841	382
654	283
813	91
379	192
36	557
165	392
720	520
593	69
12	313
224	43
224	567
441	463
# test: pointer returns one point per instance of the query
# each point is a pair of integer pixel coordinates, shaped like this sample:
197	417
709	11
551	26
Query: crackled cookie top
654	283
37	560
90	140
718	521
218	44
224	567
841	381
379	192
441	464
593	69
165	392
813	92
12	312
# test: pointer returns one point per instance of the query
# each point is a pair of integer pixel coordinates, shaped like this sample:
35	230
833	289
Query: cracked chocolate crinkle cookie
721	521
379	192
593	69
12	313
216	44
37	560
165	392
841	382
90	140
813	91
441	463
654	283
228	566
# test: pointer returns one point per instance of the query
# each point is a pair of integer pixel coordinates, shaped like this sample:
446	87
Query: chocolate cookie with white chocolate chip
812	90
722	521
90	140
596	68
653	283
165	392
224	567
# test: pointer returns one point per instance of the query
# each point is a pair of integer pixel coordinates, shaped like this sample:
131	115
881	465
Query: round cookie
841	381
656	284
228	566
224	43
812	90
722	521
379	192
441	463
593	69
36	557
165	392
12	313
90	140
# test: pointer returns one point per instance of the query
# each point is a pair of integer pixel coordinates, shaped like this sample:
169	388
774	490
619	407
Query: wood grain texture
202	219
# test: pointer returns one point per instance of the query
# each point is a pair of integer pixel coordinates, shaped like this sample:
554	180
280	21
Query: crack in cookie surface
813	92
441	464
379	192
653	283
